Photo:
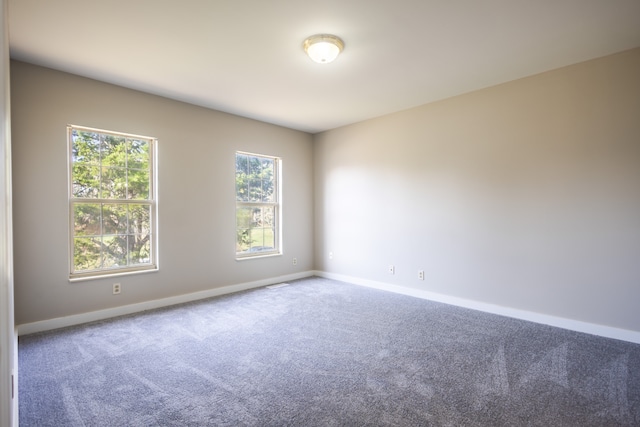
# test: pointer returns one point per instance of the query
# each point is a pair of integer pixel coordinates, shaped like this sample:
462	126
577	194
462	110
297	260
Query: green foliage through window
257	205
112	205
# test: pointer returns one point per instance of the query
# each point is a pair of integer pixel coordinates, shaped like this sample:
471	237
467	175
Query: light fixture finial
323	48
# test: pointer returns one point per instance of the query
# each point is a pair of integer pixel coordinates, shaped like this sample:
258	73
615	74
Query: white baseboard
560	322
77	319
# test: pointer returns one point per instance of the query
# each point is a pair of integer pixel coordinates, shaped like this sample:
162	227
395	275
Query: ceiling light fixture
323	48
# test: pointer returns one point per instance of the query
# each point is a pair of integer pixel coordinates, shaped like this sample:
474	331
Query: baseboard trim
77	319
559	322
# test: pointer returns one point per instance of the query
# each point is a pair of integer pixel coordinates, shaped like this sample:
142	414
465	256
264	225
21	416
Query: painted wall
524	195
196	193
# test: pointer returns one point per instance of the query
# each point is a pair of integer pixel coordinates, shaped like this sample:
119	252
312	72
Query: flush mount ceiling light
323	48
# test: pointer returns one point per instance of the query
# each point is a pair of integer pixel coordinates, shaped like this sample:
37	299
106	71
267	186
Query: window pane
269	238
242	181
257	240
114	219
86	219
114	183
139	219
139	184
114	251
243	217
242	187
267	177
86	181
267	167
113	151
138	154
243	231
243	239
255	190
139	249
268	192
268	216
255	166
242	165
256	217
86	253
85	147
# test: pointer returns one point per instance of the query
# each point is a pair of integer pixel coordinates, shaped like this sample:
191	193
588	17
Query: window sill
111	274
248	257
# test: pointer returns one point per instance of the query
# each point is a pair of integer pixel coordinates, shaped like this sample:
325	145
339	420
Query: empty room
269	213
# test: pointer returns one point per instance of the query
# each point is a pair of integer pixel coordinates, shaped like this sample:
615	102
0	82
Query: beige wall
524	195
195	192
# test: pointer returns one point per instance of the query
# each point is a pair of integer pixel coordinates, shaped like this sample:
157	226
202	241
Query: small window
112	203
257	205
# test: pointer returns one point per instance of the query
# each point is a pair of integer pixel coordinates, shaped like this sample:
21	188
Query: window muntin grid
112	203
257	205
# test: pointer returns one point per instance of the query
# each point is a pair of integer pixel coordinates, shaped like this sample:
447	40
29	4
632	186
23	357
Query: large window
112	204
257	205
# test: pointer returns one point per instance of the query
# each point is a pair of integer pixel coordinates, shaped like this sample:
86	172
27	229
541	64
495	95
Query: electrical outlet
392	269
295	261
116	288
421	274
330	255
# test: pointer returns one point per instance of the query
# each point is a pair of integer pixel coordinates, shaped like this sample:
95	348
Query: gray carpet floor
325	353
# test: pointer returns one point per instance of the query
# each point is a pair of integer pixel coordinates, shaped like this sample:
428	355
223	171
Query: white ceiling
245	56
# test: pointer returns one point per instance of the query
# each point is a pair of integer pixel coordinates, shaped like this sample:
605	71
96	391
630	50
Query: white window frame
102	271
276	204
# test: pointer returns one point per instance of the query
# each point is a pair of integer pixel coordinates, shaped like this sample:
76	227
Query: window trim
152	202
277	251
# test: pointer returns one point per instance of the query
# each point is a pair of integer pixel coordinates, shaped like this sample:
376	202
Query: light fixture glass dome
323	48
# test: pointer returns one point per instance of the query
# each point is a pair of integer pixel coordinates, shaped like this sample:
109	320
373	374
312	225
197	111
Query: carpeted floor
325	353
